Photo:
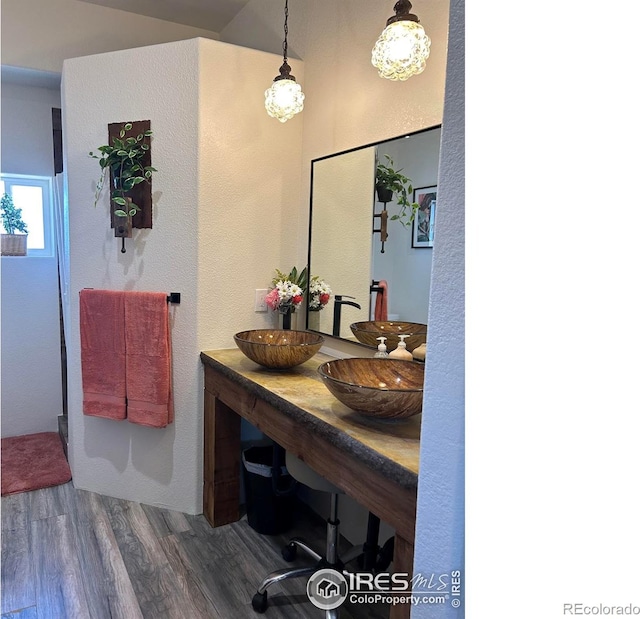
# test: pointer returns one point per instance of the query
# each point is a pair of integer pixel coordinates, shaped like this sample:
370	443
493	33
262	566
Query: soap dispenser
382	349
401	352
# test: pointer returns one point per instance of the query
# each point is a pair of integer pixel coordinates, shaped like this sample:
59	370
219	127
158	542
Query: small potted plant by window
12	244
391	183
123	159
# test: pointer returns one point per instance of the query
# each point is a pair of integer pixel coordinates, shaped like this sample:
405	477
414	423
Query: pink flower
273	299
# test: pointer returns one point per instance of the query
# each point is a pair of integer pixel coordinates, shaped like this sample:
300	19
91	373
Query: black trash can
269	498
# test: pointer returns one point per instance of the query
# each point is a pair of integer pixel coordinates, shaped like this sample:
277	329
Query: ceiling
211	15
207	14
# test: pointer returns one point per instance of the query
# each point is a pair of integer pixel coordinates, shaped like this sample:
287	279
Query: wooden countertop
390	447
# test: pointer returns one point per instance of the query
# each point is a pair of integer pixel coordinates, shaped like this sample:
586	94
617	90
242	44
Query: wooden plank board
18	584
59	588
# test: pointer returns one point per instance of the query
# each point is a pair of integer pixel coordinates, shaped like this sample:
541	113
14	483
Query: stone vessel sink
278	348
382	388
368	331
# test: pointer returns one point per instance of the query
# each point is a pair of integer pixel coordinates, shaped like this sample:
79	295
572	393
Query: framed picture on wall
425	219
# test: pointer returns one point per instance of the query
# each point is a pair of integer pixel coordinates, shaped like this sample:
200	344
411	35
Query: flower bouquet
319	294
288	290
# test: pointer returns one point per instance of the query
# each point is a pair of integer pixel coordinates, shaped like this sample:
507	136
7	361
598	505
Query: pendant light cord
286	28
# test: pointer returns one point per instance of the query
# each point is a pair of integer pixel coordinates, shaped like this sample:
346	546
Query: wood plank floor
72	554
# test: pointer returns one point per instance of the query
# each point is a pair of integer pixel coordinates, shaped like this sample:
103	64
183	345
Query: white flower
319	291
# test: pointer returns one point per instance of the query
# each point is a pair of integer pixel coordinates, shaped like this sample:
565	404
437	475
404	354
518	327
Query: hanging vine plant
123	160
399	186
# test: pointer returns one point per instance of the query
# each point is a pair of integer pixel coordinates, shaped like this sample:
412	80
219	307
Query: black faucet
338	302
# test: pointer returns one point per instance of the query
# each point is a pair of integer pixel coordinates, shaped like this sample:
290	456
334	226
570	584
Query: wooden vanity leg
402	562
221	501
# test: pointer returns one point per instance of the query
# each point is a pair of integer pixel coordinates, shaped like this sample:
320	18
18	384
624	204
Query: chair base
368	556
289	553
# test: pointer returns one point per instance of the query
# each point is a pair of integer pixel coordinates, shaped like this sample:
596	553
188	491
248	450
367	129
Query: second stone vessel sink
278	349
383	388
368	331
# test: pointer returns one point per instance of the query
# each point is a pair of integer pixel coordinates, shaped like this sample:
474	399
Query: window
32	194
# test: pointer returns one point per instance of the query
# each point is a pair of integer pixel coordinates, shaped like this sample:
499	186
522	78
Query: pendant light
403	47
284	99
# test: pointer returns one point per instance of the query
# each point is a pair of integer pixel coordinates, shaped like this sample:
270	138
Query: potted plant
12	244
124	160
391	183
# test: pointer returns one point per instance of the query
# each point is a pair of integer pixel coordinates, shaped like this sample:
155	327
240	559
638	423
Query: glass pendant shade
401	51
284	99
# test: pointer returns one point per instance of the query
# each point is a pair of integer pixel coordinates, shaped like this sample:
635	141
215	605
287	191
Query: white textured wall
249	191
440	516
31	374
27	144
159	84
221	197
41	34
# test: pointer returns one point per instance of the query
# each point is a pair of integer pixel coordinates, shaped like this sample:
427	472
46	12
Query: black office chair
371	557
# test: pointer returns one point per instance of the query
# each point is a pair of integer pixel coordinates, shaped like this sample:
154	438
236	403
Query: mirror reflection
360	244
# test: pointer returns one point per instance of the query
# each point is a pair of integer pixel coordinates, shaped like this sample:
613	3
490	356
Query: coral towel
102	352
148	354
380	312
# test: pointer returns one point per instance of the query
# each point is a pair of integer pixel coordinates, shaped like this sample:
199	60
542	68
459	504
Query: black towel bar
172	297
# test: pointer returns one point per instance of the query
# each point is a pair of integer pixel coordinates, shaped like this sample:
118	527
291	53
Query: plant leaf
128	126
120	213
120	201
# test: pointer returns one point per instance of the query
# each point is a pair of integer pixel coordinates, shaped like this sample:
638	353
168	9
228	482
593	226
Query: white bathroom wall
31	372
158	83
249	191
41	34
440	515
221	198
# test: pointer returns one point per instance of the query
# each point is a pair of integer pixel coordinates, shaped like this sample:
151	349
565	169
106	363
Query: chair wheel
289	552
259	602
